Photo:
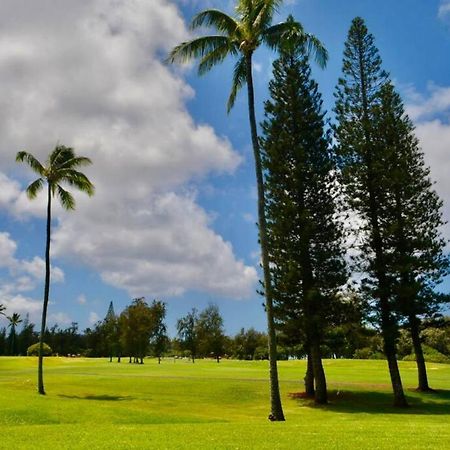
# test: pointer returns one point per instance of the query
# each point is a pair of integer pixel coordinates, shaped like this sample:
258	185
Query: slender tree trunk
420	360
275	399
309	377
41	389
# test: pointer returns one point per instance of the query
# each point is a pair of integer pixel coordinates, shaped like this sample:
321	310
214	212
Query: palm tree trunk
46	294
420	360
275	399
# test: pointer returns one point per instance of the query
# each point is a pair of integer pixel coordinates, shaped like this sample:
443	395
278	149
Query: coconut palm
60	168
2	309
239	37
14	320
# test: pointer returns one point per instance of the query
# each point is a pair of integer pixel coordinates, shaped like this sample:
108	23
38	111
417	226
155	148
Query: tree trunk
320	396
275	399
41	389
420	360
309	377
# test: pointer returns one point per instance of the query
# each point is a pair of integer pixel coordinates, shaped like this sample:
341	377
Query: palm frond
315	48
66	198
215	18
35	165
77	179
76	161
60	154
215	57
277	35
197	48
34	188
264	11
239	80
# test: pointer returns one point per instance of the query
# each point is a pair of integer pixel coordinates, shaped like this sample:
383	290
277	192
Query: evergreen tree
364	160
159	341
187	332
305	239
415	219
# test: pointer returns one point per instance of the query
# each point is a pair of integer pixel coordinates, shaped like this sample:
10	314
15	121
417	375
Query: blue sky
174	214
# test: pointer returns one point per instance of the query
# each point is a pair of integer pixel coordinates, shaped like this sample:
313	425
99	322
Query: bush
33	350
430	354
367	353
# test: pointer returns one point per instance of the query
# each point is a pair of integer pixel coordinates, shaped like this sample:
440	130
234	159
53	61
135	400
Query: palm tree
14	320
2	309
240	36
59	168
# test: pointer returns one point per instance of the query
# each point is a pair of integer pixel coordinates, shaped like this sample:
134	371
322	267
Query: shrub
33	350
367	353
430	354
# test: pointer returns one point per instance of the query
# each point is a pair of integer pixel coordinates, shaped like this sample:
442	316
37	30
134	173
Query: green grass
94	404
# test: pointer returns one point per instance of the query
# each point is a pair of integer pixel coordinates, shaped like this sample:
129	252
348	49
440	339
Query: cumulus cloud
20	276
89	74
444	9
431	113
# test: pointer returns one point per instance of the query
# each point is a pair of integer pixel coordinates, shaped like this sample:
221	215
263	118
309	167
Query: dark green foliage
33	350
159	341
139	323
210	333
363	162
305	239
187	333
249	344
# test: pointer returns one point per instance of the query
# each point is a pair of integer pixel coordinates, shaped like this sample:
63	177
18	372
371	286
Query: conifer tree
415	219
304	238
364	159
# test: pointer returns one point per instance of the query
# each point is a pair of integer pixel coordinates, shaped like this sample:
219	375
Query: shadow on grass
370	402
110	398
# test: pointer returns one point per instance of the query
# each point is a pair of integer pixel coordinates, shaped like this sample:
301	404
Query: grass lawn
91	404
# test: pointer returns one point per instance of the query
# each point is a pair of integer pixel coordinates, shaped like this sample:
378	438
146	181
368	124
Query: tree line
200	334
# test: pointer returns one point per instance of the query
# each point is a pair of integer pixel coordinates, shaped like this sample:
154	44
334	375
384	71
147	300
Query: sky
174	212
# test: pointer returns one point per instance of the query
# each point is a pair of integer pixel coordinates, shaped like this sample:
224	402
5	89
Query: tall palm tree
60	168
2	309
14	320
240	36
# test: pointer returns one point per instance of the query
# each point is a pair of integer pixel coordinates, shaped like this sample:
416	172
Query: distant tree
136	327
27	336
33	350
240	36
365	178
159	341
246	343
14	321
3	341
210	332
187	332
60	168
305	239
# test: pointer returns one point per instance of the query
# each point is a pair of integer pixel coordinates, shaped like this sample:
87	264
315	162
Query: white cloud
431	114
422	107
93	317
89	74
444	9
60	318
82	299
